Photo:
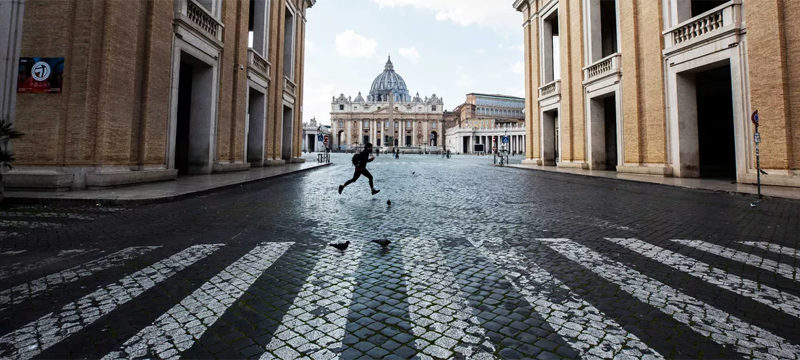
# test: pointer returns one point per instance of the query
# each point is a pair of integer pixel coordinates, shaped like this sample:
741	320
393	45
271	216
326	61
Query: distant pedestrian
360	161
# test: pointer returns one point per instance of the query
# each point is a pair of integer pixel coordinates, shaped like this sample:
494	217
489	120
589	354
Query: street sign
319	137
505	139
755	117
326	140
757	137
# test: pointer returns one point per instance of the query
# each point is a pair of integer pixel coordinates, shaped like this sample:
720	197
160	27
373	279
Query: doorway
256	121
193	135
715	123
434	139
706	141
550	138
286	138
604	144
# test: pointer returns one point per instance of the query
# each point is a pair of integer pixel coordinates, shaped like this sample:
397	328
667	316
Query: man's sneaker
341	187
375	192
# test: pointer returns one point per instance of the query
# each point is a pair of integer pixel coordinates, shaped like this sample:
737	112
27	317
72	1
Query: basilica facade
389	117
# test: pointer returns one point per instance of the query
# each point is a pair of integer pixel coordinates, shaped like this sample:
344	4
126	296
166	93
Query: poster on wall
38	75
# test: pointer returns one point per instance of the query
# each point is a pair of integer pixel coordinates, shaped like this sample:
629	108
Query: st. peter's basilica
414	124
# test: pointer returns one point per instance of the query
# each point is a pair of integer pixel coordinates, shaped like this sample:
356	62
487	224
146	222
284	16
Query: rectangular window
395	125
341	124
550	48
433	108
433	125
366	124
341	107
288	45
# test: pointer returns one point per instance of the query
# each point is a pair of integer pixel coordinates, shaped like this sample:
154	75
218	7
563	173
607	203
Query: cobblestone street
485	262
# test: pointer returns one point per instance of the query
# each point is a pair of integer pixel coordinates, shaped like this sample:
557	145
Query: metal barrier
324	158
503	157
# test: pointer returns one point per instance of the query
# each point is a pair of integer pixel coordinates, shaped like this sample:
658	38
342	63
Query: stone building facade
154	89
488	110
462	139
389	117
312	132
664	87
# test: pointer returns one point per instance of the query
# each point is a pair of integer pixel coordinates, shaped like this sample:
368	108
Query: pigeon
389	202
382	242
341	247
413	173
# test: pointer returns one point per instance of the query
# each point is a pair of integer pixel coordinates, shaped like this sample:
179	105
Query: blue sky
446	47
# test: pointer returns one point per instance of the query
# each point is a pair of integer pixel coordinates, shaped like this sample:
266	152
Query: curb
729	192
148	201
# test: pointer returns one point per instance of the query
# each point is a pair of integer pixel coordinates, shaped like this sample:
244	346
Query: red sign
40	75
326	140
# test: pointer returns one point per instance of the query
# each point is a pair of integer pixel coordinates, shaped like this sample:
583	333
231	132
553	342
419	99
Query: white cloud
519	92
518	68
317	103
409	53
488	13
481	51
463	78
349	44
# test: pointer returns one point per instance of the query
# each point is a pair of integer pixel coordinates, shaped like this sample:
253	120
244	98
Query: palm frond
7	131
6	157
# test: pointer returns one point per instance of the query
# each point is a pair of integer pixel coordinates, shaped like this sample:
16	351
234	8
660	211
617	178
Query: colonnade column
413	133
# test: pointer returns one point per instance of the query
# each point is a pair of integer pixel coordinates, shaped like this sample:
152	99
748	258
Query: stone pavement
164	191
768	191
485	262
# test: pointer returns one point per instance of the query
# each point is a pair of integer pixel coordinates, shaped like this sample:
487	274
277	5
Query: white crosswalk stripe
30	290
720	326
315	323
29	224
764	294
12	252
583	326
432	288
787	271
21	268
774	248
72	216
438	310
179	328
32	339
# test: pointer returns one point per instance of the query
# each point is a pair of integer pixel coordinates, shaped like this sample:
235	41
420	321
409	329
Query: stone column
414	133
11	16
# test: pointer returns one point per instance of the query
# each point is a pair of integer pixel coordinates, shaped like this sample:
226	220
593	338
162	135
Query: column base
657	169
230	167
273	162
573	165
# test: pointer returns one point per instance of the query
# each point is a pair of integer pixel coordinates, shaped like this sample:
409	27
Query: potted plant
7	134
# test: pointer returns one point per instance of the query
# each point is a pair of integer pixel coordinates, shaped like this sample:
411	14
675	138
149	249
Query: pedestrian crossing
43	217
441	313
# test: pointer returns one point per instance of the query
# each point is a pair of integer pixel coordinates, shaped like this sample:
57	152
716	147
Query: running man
360	161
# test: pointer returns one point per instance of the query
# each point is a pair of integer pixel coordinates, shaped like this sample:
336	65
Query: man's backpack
355	159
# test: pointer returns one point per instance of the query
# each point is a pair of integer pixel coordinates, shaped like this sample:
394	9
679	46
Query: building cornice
520	5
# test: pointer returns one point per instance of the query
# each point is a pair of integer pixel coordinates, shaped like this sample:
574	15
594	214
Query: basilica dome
387	81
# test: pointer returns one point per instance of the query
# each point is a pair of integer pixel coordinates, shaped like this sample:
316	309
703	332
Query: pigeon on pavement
382	242
341	247
389	202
